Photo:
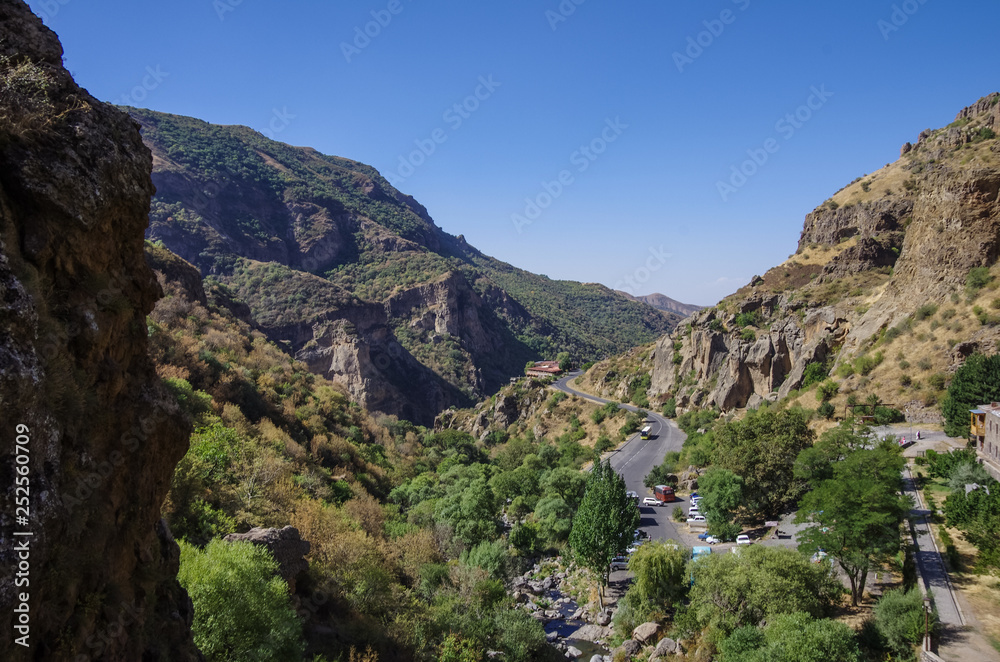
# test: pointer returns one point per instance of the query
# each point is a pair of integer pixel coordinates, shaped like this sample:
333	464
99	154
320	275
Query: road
636	457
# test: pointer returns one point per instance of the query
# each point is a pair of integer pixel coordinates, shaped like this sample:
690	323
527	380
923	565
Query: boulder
646	632
667	646
603	618
629	649
285	545
573	652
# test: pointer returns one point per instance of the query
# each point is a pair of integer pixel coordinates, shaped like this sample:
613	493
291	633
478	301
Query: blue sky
590	137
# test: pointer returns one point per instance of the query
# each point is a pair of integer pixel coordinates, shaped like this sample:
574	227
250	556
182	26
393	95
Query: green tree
562	358
722	494
660	572
977	514
242	610
976	382
794	637
568	484
762	449
605	523
734	590
856	514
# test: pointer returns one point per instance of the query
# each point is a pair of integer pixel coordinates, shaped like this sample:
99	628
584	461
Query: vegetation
856	512
976	382
242	609
762	449
731	591
605	523
795	637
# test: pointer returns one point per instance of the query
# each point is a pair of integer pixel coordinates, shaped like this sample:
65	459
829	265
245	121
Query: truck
664	493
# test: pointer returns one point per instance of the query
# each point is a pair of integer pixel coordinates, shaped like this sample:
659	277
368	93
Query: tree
734	590
856	514
660	572
605	523
977	514
762	449
562	358
794	637
975	383
242	610
722	494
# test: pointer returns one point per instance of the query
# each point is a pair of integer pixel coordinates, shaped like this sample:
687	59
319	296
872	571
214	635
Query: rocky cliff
355	278
910	250
85	420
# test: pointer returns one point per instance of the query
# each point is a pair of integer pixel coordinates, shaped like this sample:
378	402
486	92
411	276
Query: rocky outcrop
285	546
889	251
99	435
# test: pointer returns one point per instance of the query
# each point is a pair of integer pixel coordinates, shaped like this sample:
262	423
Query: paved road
636	457
929	562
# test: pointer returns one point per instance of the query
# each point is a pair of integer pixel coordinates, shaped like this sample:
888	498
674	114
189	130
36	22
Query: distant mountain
664	303
894	283
356	279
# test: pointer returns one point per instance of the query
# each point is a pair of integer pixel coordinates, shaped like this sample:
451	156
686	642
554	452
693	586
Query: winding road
636	457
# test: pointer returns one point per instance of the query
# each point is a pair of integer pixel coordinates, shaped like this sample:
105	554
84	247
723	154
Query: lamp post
927	619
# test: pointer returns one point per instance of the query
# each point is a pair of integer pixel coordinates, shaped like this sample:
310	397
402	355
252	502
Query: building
985	431
544	369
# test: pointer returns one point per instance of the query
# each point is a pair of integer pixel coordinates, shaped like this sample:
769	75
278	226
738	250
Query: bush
670	408
978	278
899	618
925	311
814	374
242	610
827	390
678	514
748	335
826	410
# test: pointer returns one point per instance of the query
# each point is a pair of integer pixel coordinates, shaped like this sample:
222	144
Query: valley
266	408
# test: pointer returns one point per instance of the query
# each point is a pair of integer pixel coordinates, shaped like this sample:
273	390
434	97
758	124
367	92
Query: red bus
664	493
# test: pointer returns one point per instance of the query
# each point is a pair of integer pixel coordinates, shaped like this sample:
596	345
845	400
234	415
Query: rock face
101	437
886	251
284	544
357	281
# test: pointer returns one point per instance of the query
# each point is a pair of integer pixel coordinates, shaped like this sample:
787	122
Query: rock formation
867	259
101	437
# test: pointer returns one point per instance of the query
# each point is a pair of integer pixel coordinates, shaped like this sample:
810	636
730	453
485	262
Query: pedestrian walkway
930	565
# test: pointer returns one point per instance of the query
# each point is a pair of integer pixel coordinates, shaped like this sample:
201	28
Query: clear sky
582	139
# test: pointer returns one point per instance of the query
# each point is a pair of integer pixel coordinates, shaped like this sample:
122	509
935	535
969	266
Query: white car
650	501
743	539
712	540
696	518
619	563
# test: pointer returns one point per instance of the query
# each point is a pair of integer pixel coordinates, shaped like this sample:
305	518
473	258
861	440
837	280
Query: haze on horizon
579	139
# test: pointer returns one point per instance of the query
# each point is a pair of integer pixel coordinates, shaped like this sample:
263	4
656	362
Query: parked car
695	518
712	540
619	563
743	539
651	501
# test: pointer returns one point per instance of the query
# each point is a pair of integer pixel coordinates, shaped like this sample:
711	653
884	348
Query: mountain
893	284
664	303
355	278
93	436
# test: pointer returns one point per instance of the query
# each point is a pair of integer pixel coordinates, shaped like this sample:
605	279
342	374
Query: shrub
670	408
748	335
752	318
827	390
242	610
826	410
978	278
678	514
925	311
899	618
715	324
814	374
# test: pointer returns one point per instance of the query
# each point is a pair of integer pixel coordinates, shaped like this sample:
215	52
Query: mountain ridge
316	244
878	260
